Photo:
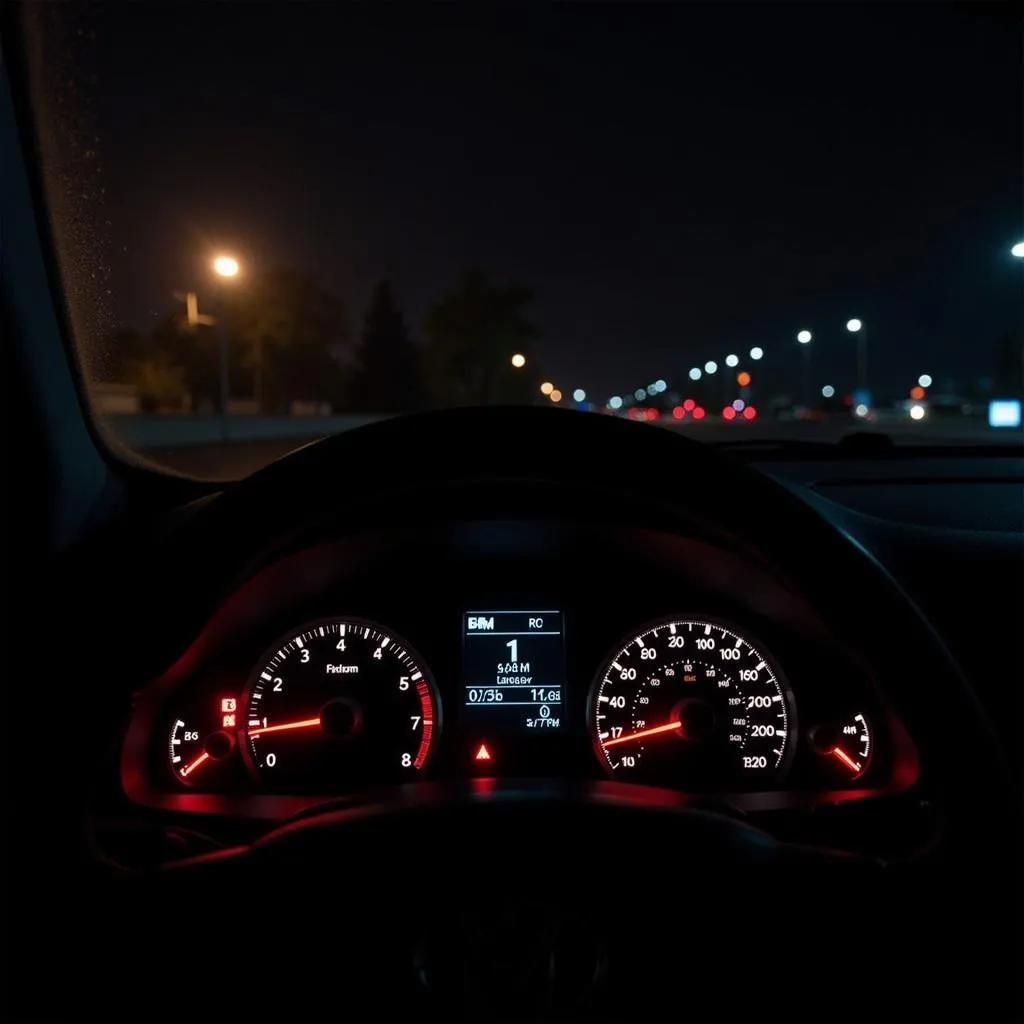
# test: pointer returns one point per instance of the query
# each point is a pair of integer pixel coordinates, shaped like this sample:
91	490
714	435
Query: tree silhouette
289	336
472	335
388	371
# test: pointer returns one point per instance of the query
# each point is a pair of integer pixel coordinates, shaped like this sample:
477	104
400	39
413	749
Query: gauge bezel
244	743
777	776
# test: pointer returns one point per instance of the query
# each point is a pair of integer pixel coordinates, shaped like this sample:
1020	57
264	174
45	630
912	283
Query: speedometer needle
306	723
653	731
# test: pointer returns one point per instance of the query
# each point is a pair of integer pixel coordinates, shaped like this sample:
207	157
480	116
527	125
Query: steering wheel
526	900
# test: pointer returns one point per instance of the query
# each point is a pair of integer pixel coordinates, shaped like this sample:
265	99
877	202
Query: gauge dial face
693	704
185	750
847	746
340	703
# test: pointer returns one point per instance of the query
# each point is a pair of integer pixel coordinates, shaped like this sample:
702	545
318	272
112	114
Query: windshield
277	221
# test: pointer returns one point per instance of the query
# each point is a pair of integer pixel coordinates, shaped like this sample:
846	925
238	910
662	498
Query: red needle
643	732
194	764
306	723
846	759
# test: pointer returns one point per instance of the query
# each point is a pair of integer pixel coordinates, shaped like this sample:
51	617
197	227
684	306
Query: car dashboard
488	719
391	663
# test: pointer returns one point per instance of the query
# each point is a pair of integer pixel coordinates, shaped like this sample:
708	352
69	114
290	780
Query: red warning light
483	754
749	412
729	413
698	413
227	721
228	704
689	405
678	412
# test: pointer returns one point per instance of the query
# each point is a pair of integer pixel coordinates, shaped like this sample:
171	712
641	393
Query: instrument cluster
344	705
358	666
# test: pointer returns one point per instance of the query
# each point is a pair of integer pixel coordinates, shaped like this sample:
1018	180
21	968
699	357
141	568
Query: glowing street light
804	339
547	387
556	395
828	391
695	373
856	326
925	380
732	361
579	395
615	402
519	360
226	266
1018	251
757	353
710	366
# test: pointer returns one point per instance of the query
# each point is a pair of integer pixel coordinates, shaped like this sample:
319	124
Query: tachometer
692	703
340	703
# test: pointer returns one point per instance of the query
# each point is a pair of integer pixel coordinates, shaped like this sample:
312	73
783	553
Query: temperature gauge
195	744
847	745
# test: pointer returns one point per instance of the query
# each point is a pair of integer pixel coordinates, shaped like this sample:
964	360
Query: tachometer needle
846	759
306	723
653	731
194	764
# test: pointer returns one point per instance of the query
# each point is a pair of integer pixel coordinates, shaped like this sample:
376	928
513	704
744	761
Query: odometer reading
339	703
692	704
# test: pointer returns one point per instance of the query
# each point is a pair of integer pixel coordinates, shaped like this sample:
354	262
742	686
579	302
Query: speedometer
692	703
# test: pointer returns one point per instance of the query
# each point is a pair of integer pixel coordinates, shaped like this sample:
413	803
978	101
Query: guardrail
175	431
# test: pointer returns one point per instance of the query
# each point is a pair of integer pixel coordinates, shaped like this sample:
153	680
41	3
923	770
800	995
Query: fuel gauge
196	743
847	745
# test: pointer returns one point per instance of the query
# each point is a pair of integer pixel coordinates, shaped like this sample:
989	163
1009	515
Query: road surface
216	460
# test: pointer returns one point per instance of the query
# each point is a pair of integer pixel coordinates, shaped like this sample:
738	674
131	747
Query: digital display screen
513	671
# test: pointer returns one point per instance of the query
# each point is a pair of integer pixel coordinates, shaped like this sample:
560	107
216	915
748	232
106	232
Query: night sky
676	182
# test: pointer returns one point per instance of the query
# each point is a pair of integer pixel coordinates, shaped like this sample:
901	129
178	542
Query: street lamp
547	387
732	361
756	353
519	360
695	373
855	326
925	380
227	268
804	340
